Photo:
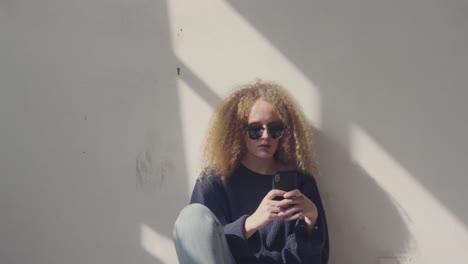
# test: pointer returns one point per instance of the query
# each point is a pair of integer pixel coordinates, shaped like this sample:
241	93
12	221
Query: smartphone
285	181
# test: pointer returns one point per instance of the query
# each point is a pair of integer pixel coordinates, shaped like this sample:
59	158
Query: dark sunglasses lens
276	131
255	132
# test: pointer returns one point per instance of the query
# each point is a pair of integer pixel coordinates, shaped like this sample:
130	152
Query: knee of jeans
192	216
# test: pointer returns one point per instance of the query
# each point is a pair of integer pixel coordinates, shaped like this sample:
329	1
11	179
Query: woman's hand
267	211
296	205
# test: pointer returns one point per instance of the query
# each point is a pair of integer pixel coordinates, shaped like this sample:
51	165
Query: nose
265	134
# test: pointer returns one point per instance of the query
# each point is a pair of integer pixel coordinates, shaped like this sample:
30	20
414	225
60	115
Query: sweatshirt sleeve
302	247
209	191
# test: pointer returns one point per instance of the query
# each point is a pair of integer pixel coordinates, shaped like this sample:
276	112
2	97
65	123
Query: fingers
274	213
291	213
295	216
295	205
274	209
291	198
287	195
273	193
286	203
294	193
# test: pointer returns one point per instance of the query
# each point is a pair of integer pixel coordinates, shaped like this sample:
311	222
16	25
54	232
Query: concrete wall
100	135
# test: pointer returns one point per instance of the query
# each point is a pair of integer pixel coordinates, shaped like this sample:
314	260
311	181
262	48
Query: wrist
249	227
310	223
310	220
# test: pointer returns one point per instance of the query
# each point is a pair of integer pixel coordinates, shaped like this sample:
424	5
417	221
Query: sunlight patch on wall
233	61
430	222
158	246
195	114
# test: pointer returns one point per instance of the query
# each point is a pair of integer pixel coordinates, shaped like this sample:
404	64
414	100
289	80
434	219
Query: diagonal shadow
352	196
366	58
198	86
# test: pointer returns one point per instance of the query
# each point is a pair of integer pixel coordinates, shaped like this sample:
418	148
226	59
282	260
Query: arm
308	243
267	211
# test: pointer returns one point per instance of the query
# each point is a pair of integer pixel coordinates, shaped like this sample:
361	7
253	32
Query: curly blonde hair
224	144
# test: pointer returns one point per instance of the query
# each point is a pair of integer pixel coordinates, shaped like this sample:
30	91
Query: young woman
234	215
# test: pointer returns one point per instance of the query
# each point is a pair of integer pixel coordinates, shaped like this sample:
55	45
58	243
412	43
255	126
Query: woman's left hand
296	205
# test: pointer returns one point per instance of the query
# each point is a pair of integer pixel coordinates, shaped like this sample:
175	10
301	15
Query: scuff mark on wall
152	168
144	170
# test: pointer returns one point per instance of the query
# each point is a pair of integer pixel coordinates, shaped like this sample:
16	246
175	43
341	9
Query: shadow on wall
94	111
363	61
198	86
156	171
359	212
374	64
364	222
363	56
161	170
161	167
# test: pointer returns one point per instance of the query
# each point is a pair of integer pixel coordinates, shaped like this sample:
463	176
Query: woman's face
262	114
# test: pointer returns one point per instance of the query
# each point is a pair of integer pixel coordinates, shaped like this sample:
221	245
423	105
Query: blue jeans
199	237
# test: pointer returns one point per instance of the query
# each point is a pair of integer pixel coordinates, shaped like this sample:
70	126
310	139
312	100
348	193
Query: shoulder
208	188
305	176
306	180
209	180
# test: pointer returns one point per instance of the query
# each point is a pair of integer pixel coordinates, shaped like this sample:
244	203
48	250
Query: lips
264	145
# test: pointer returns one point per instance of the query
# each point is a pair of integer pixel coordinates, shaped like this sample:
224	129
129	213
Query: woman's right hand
266	212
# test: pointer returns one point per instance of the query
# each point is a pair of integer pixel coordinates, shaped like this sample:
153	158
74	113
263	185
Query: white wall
100	138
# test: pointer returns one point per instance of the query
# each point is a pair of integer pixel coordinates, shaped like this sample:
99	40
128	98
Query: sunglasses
275	130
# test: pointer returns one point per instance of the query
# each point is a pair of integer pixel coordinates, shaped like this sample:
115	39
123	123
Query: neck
261	166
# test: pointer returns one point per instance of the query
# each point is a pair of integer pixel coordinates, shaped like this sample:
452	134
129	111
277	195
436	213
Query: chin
264	155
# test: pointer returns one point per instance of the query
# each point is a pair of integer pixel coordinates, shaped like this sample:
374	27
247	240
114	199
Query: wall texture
100	133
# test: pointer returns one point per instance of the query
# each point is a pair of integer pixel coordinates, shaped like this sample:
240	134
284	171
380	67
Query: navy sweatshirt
233	200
